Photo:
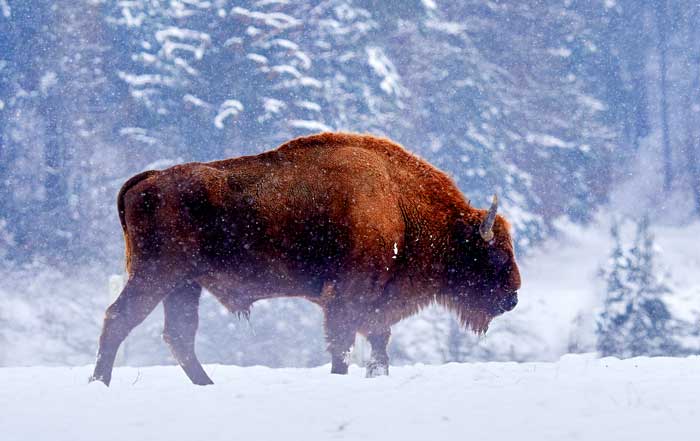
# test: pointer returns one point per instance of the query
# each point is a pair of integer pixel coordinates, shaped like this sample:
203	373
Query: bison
354	223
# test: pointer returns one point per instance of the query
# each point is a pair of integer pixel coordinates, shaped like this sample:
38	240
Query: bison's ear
460	223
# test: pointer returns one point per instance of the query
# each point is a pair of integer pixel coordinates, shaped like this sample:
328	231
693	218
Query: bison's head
483	277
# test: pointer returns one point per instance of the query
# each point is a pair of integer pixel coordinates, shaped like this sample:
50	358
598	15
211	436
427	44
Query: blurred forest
562	107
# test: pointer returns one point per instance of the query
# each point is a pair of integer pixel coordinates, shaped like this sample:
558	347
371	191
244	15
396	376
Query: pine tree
237	77
615	311
635	319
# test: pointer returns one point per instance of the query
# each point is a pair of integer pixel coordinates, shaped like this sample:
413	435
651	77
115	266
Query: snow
228	108
429	4
276	20
309	105
145	79
287	69
261	3
310	125
578	397
382	66
305	82
273	105
592	103
191	99
181	34
128	18
180	7
165	36
284	43
138	134
257	58
560	52
303	59
252	31
233	41
47	81
546	140
474	133
145	58
448	27
5	9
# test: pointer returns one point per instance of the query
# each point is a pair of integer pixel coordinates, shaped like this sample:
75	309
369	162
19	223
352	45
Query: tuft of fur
470	318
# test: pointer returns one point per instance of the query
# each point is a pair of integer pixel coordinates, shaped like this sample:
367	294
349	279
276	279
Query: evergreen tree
614	313
231	78
635	319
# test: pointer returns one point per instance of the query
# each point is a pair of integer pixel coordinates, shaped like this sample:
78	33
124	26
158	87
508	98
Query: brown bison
353	223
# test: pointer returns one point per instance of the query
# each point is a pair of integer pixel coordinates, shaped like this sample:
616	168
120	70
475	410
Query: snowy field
578	397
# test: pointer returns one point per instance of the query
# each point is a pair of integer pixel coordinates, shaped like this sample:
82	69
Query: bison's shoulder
333	140
391	152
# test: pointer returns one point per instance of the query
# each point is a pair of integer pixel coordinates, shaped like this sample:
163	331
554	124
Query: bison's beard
470	317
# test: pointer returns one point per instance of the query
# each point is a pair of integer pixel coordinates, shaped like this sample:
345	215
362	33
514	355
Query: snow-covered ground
578	397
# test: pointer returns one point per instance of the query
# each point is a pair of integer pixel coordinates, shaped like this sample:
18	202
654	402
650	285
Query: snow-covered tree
55	163
618	294
361	88
239	77
635	319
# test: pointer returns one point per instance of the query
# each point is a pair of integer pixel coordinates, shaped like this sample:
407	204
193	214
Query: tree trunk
692	109
694	170
661	24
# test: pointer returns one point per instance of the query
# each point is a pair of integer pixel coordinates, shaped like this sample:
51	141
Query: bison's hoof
202	381
377	370
99	378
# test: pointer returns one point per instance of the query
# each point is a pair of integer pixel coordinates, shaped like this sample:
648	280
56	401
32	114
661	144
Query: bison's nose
509	302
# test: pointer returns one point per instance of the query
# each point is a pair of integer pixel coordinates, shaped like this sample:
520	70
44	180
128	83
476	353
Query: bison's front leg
340	334
379	363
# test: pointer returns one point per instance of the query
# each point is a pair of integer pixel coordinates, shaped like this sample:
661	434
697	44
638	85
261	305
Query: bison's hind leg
181	321
138	298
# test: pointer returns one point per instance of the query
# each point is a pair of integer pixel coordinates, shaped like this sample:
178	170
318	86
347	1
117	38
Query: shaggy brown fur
354	223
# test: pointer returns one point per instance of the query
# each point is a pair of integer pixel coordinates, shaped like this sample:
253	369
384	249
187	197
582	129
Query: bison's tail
122	215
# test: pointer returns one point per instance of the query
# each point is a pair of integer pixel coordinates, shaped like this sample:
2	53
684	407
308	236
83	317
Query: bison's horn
486	228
